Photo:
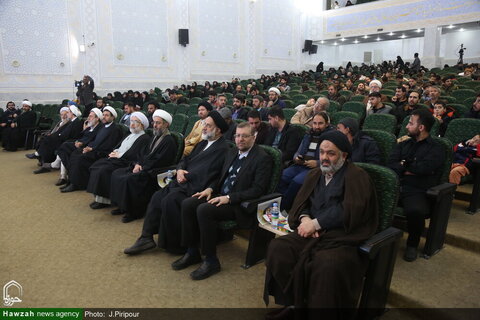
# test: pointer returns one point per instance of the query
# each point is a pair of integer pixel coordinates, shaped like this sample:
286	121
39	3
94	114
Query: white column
431	47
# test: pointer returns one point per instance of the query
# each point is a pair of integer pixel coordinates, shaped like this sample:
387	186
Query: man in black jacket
245	175
364	148
82	158
132	187
13	136
474	112
418	162
282	135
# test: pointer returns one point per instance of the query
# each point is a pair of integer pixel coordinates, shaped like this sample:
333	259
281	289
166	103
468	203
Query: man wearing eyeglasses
245	175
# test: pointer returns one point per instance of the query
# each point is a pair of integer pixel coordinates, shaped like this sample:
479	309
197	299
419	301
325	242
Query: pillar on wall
431	47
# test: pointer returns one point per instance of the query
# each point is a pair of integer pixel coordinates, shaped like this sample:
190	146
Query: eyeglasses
244	136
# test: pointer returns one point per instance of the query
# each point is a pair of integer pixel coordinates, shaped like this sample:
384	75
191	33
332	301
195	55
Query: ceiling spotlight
378	39
365	37
335	44
322	42
391	34
461	30
451	26
343	39
419	30
356	41
403	36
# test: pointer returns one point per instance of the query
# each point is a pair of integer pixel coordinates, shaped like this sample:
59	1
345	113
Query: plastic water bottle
169	177
275	212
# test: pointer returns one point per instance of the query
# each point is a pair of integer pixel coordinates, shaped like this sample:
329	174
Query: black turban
219	121
338	139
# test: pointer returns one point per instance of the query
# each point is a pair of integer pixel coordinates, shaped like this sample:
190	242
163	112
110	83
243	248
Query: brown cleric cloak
327	271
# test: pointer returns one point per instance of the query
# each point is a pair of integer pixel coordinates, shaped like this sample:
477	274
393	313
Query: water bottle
275	212
169	176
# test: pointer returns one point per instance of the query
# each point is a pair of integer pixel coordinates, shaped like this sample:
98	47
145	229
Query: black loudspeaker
307	46
313	49
183	37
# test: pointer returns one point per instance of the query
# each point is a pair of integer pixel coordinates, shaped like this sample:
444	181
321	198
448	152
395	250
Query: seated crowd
330	201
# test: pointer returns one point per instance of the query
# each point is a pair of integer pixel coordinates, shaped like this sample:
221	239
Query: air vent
378	30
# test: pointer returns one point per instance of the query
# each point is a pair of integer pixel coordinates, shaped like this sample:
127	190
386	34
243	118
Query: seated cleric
317	265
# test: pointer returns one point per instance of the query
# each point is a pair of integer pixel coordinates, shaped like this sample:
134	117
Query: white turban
112	111
275	90
163	114
64	109
75	111
28	103
377	82
98	113
140	116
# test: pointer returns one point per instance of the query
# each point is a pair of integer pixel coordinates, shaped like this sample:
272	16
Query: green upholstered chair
441	197
191	122
337	116
303	128
179	139
309	93
289	103
299	99
170	108
387	92
346	93
179	123
381	249
384	122
459	130
324	92
357	98
448	99
355	106
459	109
195	100
468	102
289	113
192	110
119	114
259	238
239	120
334	106
386	142
462	94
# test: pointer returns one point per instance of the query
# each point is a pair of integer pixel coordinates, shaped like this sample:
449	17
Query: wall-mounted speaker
313	49
307	46
183	37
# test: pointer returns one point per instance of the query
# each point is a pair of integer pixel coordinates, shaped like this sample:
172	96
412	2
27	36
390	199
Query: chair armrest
442	190
252	204
379	241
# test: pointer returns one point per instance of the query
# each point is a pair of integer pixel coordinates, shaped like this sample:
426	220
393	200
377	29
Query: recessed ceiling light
451	26
356	41
378	39
343	39
335	44
403	36
365	37
322	42
419	30
461	29
391	34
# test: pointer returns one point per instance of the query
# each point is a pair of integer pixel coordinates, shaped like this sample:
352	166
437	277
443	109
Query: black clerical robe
324	272
50	143
163	212
14	138
66	148
101	170
130	191
106	139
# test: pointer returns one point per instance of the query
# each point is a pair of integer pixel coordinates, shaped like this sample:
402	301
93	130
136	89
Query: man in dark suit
194	173
82	158
282	135
131	188
261	128
245	175
13	136
239	111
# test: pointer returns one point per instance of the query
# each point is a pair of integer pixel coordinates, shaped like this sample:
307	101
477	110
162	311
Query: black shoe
98	205
205	270
61	182
65	186
71	187
186	261
117	212
410	254
142	244
32	156
281	314
41	170
128	218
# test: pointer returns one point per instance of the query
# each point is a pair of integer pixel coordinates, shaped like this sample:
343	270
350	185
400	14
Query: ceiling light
365	37
391	34
403	36
419	30
451	26
378	39
322	42
343	39
461	29
356	41
335	44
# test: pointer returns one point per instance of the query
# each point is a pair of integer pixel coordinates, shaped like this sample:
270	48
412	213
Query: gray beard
208	136
333	168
